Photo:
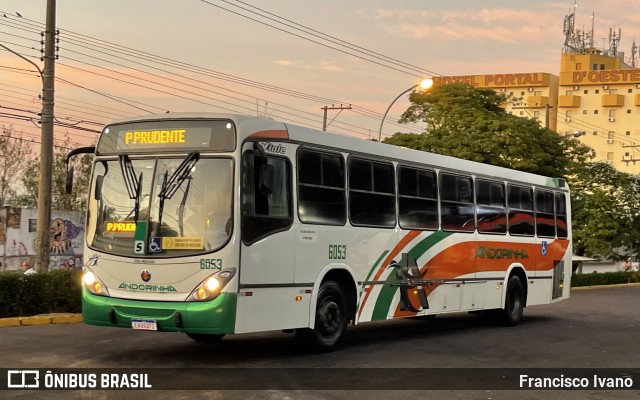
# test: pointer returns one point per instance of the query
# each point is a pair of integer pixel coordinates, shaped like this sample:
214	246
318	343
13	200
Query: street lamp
425	85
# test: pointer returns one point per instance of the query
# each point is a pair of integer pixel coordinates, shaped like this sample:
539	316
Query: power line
315	41
419	69
360	111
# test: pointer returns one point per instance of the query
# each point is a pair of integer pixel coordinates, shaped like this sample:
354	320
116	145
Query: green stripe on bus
383	302
375	265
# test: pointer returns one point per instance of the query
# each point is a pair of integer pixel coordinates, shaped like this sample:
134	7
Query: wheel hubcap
330	318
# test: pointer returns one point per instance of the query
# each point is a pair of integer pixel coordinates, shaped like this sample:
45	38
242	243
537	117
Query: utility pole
325	108
546	115
547	109
43	229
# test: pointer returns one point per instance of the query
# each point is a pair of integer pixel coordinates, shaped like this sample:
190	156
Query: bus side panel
363	250
539	291
272	308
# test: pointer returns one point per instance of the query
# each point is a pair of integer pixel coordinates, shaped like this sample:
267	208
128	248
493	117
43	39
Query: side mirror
97	194
266	178
69	183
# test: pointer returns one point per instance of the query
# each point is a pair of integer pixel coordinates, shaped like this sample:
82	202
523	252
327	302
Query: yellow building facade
596	98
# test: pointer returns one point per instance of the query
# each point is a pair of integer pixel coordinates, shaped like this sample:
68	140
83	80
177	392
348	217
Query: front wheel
205	338
331	319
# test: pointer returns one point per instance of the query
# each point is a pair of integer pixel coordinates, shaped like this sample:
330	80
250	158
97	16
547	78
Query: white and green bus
215	224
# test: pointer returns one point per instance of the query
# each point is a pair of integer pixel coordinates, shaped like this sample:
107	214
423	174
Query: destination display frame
171	135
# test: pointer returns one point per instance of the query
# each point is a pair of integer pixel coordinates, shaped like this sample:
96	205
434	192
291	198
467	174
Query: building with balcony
596	98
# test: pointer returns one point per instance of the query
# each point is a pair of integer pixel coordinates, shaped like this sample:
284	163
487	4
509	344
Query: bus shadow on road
248	350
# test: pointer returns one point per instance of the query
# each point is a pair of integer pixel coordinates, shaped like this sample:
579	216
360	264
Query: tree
606	212
60	200
15	154
471	123
459	114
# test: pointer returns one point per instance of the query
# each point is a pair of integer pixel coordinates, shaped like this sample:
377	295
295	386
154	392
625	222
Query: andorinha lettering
146	287
155	137
491	252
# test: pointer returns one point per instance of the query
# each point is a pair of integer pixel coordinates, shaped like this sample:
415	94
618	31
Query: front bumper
217	316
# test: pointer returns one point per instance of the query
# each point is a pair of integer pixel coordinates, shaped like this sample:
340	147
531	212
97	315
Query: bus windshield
155	207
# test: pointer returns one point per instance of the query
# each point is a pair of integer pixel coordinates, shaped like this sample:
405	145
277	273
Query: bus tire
511	314
330	322
205	338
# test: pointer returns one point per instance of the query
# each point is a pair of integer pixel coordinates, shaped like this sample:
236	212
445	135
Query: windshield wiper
133	185
171	184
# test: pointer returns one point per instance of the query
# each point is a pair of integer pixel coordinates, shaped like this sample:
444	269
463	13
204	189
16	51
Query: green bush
606	278
49	292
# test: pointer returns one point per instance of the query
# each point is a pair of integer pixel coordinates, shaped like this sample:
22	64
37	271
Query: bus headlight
94	284
211	287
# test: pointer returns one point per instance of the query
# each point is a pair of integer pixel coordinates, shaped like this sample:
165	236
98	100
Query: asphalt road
593	329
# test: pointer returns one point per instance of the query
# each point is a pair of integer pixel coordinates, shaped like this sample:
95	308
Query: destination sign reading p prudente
168	136
157	139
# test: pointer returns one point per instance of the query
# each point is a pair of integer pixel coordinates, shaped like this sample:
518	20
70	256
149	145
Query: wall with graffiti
18	234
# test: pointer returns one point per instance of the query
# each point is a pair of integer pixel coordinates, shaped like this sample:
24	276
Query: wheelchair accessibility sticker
155	244
543	250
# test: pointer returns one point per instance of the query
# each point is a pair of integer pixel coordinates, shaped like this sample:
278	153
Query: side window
372	200
545	221
456	203
321	192
417	198
521	221
491	209
561	215
266	196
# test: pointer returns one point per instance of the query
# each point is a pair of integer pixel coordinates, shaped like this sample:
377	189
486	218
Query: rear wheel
205	338
511	314
331	319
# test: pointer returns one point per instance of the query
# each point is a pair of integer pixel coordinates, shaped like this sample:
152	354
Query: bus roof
252	126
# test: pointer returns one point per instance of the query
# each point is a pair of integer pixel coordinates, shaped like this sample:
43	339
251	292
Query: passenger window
372	200
545	221
561	215
266	201
521	219
321	191
417	200
456	203
490	207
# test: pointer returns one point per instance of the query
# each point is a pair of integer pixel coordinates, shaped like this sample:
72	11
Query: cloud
496	24
326	66
330	67
284	63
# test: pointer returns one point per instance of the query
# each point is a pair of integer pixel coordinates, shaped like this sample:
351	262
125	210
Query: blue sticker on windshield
155	244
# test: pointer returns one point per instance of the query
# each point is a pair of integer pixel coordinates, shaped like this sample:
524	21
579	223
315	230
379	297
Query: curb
46	319
606	286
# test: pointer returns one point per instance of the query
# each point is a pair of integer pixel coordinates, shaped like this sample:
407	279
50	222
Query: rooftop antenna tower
634	55
593	19
614	42
575	41
569	31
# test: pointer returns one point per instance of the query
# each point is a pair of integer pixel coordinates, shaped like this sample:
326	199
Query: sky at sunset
123	58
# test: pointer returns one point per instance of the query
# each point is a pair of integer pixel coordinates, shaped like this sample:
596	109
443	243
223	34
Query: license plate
144	324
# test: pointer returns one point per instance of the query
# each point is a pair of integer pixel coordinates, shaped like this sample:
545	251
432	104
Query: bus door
267	262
